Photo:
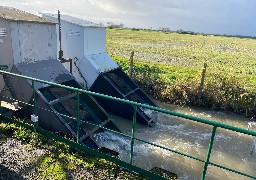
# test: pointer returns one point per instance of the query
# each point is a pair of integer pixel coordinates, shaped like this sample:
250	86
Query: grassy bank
55	161
180	85
169	66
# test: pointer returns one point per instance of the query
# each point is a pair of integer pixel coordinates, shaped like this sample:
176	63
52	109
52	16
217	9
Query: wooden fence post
131	64
202	82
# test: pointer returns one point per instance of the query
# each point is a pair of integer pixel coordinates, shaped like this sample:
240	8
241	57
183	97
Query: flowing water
230	149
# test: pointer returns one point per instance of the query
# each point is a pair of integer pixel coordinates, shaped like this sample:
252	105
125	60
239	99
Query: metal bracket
34	118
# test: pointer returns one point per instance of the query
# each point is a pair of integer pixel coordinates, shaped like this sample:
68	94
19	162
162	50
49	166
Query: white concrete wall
72	40
86	46
94	40
33	42
78	39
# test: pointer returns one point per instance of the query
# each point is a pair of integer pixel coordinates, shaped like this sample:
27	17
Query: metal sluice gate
121	86
59	106
64	102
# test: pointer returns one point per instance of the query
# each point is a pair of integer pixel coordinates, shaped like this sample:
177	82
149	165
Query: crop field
175	62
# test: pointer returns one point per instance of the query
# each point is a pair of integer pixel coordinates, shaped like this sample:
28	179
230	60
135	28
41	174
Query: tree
113	25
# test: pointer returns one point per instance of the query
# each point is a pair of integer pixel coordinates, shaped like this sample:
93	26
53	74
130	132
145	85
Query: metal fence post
208	153
78	117
131	64
200	89
34	103
133	131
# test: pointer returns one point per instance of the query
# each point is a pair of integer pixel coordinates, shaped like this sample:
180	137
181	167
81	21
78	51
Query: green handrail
3	67
135	105
209	152
201	120
133	131
78	116
34	104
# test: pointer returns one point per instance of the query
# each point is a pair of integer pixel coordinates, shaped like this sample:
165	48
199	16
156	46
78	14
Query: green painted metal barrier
2	67
129	165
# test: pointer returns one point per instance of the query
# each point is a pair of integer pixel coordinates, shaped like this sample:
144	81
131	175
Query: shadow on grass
7	174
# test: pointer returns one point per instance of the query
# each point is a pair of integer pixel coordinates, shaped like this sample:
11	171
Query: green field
174	63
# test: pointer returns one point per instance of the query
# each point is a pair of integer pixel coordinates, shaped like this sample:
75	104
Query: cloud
117	6
137	8
209	16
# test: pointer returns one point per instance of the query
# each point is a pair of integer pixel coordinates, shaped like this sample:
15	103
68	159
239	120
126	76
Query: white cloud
210	16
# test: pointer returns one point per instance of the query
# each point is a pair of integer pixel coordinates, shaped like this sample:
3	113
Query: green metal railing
129	165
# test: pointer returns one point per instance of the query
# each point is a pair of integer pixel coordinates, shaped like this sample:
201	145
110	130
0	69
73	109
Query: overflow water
230	149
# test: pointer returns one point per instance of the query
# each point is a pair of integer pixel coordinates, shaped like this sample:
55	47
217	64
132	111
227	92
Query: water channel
230	149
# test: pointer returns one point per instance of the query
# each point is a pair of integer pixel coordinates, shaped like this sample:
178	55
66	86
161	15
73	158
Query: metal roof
73	20
13	14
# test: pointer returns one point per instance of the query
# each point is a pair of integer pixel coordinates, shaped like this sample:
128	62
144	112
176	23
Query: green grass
224	55
60	159
168	66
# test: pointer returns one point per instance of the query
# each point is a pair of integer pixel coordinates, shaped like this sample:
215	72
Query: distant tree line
168	30
113	25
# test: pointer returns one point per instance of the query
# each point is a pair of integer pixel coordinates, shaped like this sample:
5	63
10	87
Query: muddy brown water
230	149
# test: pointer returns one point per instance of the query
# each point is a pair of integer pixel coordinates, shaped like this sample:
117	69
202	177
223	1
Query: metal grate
3	32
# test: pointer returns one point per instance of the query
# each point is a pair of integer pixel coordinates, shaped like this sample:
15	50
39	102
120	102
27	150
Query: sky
232	17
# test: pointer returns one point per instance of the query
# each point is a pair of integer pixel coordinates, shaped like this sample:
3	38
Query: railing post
1	110
133	131
208	153
78	117
131	64
34	104
200	89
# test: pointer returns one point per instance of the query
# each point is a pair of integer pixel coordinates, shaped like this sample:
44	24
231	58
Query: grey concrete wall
6	55
33	42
